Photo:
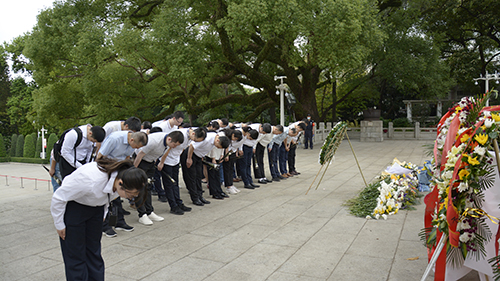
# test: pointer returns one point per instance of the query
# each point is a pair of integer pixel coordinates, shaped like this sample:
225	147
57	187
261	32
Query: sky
19	16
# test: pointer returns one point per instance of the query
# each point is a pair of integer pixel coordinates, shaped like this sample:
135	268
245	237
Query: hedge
29	147
13	143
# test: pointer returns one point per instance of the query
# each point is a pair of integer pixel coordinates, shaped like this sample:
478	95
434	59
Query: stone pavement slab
275	232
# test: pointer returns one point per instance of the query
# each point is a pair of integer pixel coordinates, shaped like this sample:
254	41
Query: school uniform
228	166
79	206
68	162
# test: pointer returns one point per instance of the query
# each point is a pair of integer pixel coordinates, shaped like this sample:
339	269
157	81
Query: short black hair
266	127
140	137
98	133
224	121
254	134
134	123
200	133
279	127
176	136
302	126
214	124
155	130
178	114
146	125
224	141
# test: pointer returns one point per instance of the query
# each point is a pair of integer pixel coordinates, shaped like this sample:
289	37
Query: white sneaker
155	217
145	220
231	190
237	190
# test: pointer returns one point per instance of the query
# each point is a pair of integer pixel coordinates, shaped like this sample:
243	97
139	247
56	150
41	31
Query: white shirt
235	145
112	126
83	150
88	186
217	153
174	155
155	147
202	148
164	125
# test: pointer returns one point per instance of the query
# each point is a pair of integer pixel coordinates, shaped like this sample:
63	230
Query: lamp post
281	92
486	79
44	142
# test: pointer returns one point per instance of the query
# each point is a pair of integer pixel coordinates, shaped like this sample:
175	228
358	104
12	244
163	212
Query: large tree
100	60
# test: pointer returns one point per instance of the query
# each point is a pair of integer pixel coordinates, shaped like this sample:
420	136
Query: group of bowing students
132	160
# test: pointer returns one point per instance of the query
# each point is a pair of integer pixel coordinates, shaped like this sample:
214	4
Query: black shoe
125	212
249	186
281	177
154	192
223	194
262	181
204	201
163	199
177	211
269	180
255	185
276	179
109	233
124	227
217	197
198	202
185	208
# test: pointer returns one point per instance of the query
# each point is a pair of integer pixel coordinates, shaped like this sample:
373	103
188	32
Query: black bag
58	145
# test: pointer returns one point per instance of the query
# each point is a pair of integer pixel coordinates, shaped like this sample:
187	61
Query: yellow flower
473	161
495	117
464	138
396	211
481	138
483	127
458	109
463	174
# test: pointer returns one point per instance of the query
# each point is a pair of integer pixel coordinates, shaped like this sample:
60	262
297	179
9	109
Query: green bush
20	146
50	143
38	147
30	160
3	151
13	143
29	147
401	122
34	137
4	159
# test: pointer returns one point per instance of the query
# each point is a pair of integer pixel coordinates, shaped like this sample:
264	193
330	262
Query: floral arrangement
332	142
396	192
463	171
388	194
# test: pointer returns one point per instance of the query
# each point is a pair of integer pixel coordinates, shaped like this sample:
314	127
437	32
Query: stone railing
390	133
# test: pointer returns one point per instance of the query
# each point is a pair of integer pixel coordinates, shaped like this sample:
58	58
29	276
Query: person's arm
163	158
287	145
138	158
189	160
52	170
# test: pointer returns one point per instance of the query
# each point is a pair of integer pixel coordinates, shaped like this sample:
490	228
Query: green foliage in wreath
332	142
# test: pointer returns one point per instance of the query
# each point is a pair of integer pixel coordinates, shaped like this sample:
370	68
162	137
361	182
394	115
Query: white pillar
408	111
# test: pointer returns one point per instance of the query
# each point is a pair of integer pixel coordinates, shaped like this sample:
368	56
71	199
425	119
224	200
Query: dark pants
246	175
146	207
121	219
273	161
283	157
65	167
192	176
81	248
308	139
258	168
291	157
157	176
228	167
213	179
171	188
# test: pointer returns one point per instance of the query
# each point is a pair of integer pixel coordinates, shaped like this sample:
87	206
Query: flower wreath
463	171
332	142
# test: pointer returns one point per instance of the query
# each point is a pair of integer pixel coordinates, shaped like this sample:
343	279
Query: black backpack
58	145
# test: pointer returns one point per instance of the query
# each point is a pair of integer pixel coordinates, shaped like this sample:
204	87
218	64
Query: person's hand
254	150
240	152
160	166
189	162
270	148
62	233
52	172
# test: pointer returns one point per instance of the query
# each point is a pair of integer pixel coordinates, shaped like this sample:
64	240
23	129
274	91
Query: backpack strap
78	141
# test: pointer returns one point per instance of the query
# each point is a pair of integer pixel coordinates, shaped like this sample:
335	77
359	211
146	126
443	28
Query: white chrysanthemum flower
368	217
463	187
377	216
464	237
384	216
487	113
480	150
488	123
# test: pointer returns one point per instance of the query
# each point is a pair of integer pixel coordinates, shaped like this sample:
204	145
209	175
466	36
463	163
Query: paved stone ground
275	232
